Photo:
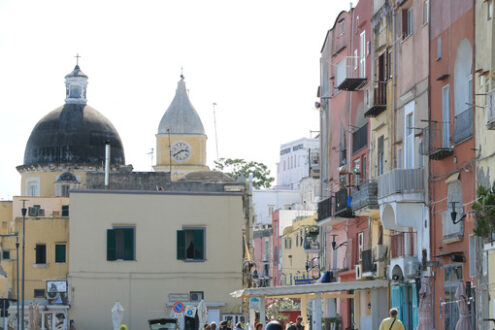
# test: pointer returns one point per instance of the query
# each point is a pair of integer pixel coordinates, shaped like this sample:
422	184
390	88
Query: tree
484	209
236	167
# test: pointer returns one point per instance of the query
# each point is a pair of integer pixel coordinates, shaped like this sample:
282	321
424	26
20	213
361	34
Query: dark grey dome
74	134
181	117
76	73
67	177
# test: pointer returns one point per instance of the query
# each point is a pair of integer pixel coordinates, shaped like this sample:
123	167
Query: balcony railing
355	77
343	204
360	138
399	181
367	261
365	196
435	142
403	245
463	125
379	103
325	209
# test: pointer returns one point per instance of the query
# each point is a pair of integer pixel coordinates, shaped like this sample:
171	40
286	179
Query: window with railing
324	209
360	138
463	125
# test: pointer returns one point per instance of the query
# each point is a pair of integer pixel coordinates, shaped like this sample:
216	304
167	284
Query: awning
296	290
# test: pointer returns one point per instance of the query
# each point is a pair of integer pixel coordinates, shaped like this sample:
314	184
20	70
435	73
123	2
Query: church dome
74	133
181	117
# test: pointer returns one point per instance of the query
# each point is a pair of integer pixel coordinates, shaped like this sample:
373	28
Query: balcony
343	204
360	138
436	144
401	198
379	103
324	209
463	125
401	181
354	77
365	199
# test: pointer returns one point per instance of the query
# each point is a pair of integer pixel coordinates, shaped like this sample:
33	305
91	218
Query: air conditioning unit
196	296
36	211
411	268
379	252
380	269
359	271
52	295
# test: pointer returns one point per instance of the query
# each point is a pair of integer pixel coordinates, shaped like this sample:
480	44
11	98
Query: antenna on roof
151	153
215	125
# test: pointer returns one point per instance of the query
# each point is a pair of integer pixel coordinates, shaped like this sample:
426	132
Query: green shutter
199	244
65	210
128	243
181	245
111	245
60	253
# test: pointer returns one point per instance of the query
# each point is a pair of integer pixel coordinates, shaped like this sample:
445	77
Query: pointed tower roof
181	117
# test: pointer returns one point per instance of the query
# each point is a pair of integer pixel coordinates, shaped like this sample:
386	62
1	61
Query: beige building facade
142	249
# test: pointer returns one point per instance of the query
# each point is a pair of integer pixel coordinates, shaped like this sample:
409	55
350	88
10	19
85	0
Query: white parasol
202	314
117	315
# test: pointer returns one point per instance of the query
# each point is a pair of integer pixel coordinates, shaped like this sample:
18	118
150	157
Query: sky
257	60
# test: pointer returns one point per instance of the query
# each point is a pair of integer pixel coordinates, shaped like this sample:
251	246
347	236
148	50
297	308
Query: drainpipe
107	164
394	84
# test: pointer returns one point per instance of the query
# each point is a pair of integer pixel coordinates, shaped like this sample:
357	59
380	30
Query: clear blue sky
258	60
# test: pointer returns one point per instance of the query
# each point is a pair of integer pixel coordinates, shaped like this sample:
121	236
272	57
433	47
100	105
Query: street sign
254	303
174	297
190	311
178	307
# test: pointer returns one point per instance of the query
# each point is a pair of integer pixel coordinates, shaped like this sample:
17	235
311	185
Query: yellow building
149	249
294	255
181	138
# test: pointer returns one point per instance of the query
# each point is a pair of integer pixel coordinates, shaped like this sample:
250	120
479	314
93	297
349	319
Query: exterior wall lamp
453	215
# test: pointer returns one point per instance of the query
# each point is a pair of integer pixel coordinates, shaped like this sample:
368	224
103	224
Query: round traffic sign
178	307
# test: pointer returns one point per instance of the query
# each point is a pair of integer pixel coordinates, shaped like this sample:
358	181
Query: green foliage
236	167
484	209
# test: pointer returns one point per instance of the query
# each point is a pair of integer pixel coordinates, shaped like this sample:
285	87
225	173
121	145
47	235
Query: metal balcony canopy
307	289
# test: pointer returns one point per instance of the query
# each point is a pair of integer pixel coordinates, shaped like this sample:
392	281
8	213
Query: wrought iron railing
463	125
399	181
366	195
360	138
343	203
325	209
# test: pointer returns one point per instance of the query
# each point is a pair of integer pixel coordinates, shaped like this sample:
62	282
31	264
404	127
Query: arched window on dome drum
75	91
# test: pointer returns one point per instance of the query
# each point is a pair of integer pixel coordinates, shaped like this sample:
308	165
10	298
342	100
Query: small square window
121	244
5	254
65	210
39	293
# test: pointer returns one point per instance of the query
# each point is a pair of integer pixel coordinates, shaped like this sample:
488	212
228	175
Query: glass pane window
40	254
60	253
191	244
120	243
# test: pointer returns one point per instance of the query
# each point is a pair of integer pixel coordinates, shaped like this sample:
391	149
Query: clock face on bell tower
180	151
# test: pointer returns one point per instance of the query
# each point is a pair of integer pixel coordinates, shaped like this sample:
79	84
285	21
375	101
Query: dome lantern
76	84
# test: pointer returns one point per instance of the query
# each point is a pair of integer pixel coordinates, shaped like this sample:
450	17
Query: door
409	135
446	116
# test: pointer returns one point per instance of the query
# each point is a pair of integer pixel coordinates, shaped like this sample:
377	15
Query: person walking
238	326
299	325
213	326
224	326
392	322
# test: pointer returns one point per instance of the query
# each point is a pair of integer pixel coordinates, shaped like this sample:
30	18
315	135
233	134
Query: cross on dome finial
77	58
182	73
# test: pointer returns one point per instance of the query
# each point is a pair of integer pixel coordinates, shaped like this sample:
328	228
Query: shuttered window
60	253
120	244
65	210
40	254
191	244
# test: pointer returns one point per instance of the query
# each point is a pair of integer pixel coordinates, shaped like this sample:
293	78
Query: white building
298	159
267	201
